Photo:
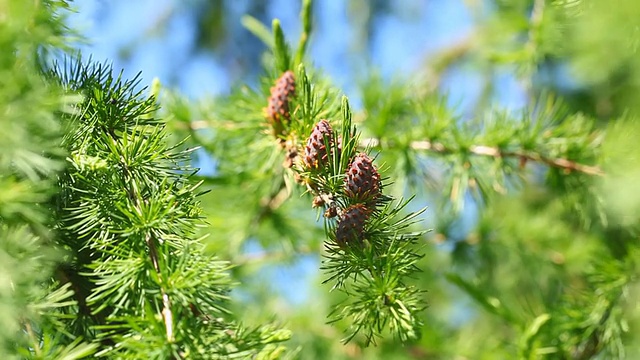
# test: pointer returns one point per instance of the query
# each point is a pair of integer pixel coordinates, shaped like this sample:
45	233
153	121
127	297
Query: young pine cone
362	182
318	145
278	108
351	225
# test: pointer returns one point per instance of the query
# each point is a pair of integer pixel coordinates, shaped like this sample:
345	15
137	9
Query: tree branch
136	197
483	150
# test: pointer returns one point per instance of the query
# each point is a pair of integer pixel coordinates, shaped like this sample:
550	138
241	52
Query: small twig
483	150
167	315
274	201
197	124
34	338
136	197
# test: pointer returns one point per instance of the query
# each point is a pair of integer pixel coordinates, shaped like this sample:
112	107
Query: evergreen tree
113	245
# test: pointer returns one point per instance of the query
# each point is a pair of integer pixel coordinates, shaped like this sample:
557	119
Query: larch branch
136	198
492	151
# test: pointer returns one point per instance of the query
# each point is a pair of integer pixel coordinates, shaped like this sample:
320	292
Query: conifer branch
491	151
129	213
369	250
136	198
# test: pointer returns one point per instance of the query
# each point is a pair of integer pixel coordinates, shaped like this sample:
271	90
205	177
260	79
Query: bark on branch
483	150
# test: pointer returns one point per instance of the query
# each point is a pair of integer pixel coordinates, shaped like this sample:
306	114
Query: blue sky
124	32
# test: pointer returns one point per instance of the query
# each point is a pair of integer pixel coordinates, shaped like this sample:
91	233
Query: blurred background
470	57
202	50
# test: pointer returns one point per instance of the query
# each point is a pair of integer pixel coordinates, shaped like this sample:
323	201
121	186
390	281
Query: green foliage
30	157
129	215
374	278
111	245
538	178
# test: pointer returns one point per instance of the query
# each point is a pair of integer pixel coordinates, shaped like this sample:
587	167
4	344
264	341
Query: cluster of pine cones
362	184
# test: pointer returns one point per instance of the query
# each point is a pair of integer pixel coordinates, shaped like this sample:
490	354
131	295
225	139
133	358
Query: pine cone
351	225
362	182
316	150
278	108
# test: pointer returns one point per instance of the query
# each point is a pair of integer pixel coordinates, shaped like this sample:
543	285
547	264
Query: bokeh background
476	55
202	50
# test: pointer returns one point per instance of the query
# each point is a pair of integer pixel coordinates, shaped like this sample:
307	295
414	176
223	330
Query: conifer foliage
518	270
103	239
98	217
129	214
371	252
